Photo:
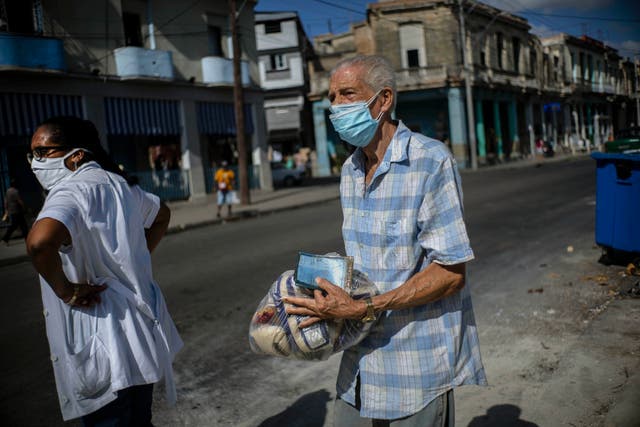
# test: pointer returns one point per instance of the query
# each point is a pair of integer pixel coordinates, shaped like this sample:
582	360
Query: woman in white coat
109	331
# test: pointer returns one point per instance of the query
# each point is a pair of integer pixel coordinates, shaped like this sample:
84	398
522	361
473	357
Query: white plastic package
273	332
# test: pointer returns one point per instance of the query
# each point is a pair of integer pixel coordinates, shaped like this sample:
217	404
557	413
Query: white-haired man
403	224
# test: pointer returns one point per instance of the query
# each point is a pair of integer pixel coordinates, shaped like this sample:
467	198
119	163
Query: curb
524	163
245	214
240	216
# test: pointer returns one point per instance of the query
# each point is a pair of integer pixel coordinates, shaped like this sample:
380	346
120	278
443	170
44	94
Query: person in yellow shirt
224	179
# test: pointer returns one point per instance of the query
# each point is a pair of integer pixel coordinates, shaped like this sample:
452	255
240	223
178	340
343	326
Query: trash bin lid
616	156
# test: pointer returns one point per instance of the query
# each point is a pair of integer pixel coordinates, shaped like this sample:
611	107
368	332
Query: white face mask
50	171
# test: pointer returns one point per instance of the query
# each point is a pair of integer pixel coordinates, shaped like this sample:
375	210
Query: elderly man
403	224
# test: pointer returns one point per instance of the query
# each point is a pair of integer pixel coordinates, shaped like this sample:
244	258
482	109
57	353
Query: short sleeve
63	206
442	232
148	205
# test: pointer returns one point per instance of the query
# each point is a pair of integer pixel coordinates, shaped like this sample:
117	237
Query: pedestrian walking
403	224
224	179
14	211
110	334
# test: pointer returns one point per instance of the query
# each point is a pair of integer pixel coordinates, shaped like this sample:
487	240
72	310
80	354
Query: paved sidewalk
200	212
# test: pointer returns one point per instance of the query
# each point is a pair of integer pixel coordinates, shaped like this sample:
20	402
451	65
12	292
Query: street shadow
501	416
618	257
308	411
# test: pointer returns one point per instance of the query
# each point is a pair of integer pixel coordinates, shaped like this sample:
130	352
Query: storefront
143	136
217	129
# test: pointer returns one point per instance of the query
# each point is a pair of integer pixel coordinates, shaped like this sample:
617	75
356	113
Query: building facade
521	87
283	54
588	87
156	81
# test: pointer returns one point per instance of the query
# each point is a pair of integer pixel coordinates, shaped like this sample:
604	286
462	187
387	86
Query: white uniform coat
129	338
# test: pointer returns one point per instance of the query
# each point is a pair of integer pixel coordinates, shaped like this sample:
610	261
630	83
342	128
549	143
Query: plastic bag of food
274	332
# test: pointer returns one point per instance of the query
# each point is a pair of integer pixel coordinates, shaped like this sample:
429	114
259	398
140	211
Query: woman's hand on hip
82	294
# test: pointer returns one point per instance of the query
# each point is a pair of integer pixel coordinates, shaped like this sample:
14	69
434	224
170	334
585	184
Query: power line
545	22
588	18
339	6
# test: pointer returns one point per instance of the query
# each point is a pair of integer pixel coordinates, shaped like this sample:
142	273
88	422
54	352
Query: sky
616	22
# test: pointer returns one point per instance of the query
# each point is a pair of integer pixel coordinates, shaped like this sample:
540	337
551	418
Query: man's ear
387	96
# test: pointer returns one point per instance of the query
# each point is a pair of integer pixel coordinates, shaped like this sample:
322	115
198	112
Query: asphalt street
538	295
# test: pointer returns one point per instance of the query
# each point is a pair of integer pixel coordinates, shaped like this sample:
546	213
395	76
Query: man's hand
330	302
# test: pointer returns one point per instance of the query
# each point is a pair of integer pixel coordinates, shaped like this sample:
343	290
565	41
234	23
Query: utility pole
239	107
636	64
467	90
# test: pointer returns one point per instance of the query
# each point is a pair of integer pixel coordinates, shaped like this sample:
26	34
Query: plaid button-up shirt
407	217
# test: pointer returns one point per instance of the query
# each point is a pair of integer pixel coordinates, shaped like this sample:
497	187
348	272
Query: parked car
285	177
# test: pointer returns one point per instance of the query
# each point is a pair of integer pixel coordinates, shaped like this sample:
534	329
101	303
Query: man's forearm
433	283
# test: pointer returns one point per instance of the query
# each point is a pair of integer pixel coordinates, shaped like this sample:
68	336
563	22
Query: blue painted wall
429	117
31	52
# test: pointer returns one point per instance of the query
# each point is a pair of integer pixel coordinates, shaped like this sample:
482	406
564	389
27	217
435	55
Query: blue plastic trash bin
618	201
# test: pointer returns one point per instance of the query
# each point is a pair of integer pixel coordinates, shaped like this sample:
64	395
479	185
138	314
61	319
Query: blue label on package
334	268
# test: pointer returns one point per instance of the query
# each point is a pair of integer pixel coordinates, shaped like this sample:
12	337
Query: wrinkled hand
330	302
86	296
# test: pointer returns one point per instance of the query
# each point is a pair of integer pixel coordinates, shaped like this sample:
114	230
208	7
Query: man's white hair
378	72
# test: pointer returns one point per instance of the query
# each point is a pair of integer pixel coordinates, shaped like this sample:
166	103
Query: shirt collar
396	151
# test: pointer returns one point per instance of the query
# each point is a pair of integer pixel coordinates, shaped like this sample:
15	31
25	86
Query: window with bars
272	27
277	62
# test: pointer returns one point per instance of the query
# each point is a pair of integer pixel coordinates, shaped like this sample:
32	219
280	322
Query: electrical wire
586	18
339	6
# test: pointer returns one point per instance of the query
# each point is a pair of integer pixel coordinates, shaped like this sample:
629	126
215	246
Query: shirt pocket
89	370
391	243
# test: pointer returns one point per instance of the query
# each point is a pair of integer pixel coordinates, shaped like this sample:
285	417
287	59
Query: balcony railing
423	76
406	78
219	71
601	87
41	53
137	62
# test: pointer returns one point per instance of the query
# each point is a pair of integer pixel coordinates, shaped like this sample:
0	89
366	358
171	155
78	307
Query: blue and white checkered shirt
408	216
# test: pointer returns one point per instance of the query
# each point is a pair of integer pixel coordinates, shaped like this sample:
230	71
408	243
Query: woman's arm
43	243
156	232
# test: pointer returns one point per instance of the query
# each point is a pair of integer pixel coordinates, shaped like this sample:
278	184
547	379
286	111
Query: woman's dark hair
79	133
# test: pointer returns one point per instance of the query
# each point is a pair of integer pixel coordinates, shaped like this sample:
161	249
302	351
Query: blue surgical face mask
354	123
